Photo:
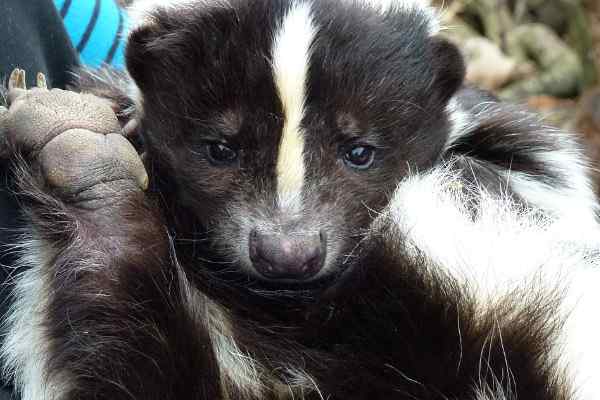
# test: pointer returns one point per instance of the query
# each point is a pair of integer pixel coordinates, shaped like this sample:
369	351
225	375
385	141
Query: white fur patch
240	373
135	94
460	121
505	248
501	246
239	369
25	349
578	349
575	201
297	385
496	393
291	59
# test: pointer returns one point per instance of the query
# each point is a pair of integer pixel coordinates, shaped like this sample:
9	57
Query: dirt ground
593	9
581	114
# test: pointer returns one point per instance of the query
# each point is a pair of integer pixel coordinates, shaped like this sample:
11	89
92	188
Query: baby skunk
331	215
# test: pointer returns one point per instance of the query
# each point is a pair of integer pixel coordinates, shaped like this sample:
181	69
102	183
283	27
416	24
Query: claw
41	81
17	79
14	78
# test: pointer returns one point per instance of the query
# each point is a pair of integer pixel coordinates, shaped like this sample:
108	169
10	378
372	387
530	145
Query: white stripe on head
291	57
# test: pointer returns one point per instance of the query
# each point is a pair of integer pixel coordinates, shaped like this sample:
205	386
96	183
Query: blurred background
542	53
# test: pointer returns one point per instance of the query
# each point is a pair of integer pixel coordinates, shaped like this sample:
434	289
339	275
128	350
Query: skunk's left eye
360	157
219	154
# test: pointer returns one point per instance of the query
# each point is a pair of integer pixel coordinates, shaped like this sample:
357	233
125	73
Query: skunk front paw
73	141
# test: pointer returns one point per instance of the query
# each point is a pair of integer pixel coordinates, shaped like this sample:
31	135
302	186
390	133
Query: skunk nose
281	256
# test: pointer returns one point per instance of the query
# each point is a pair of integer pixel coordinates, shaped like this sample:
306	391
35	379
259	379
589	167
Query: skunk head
283	126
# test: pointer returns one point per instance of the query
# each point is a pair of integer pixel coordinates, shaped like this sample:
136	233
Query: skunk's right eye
221	155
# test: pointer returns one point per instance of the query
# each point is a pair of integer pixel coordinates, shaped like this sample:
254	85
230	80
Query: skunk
332	214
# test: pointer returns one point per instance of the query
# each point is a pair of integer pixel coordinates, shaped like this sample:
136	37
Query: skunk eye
360	157
219	154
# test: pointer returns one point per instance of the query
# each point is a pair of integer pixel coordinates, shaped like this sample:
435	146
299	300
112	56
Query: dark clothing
32	37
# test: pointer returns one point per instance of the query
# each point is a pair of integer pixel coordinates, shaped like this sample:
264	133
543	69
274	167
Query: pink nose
290	257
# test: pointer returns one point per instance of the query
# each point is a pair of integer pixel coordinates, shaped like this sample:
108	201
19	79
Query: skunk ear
449	68
138	56
142	54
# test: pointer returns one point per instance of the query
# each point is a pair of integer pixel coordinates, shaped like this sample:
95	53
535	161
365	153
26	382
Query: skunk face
286	125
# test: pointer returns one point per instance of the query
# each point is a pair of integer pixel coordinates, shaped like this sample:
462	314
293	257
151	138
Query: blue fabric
96	30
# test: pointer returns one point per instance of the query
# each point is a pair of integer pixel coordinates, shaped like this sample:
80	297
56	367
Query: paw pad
75	138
